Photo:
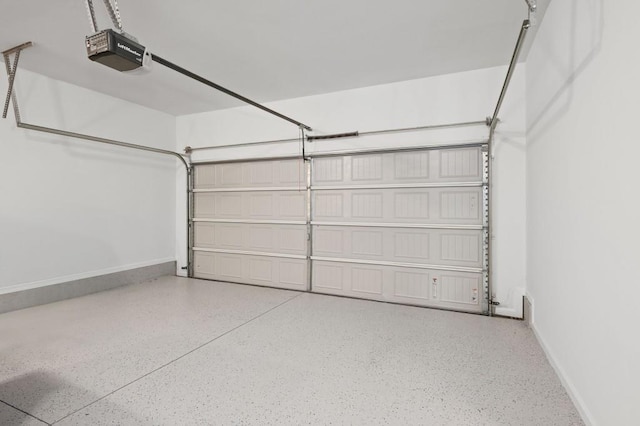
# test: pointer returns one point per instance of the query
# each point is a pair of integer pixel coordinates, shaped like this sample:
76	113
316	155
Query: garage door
250	223
405	227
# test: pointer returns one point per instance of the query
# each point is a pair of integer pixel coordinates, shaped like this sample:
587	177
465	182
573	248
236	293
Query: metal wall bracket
532	7
11	72
112	10
532	4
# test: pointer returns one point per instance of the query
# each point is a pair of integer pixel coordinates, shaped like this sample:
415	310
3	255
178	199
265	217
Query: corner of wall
580	405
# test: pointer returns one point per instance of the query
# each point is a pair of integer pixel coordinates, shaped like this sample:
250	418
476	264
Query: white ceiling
266	49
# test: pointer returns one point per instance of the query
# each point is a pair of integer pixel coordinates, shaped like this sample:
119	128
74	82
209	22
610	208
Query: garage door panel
328	277
293	239
257	270
261	237
292	205
224	267
460	247
224	236
276	173
250	223
410	205
269	238
328	205
272	205
444	289
368	280
366	168
366	205
460	163
413	167
411	285
447	247
460	288
461	205
329	170
260	205
368	243
260	270
424	205
411	245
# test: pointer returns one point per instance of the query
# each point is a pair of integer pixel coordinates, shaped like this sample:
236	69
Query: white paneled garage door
403	227
250	223
406	226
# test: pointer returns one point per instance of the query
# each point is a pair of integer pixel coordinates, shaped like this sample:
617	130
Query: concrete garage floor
177	351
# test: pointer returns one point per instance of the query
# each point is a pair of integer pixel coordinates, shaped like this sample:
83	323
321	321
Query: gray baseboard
526	303
70	289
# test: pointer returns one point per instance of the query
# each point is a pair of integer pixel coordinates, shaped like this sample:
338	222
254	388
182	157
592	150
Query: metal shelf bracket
11	72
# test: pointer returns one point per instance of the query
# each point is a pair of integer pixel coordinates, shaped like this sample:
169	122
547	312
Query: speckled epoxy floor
175	351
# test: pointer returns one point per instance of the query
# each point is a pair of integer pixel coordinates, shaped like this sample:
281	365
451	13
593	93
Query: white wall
583	83
70	208
468	96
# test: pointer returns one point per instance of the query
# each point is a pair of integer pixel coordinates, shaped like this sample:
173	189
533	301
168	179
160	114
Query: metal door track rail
101	140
